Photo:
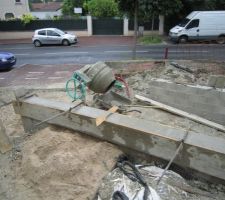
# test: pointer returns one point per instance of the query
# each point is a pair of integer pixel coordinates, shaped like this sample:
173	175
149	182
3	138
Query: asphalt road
78	54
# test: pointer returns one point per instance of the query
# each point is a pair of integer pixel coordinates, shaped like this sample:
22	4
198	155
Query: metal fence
107	26
17	25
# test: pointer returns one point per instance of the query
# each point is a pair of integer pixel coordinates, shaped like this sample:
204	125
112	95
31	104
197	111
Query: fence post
89	25
166	53
161	24
125	26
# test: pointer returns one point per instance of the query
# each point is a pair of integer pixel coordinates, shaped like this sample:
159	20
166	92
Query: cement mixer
98	77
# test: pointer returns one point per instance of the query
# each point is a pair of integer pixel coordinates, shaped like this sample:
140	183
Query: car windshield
60	31
184	22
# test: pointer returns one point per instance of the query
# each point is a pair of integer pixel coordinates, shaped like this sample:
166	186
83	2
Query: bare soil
57	163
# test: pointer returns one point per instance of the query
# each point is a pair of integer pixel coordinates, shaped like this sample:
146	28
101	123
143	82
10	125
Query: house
13	8
46	10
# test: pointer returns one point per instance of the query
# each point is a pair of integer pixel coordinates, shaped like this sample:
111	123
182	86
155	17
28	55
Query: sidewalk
87	41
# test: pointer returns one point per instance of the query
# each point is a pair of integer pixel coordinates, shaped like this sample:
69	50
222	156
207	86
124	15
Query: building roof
50	6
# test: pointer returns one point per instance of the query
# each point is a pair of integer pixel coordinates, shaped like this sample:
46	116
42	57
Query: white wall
46	15
10	6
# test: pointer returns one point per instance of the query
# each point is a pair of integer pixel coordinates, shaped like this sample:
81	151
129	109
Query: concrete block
220	82
217	81
212	81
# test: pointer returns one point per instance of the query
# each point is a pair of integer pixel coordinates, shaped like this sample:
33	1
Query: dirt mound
57	164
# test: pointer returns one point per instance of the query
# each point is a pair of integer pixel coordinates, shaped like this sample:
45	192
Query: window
52	33
193	24
184	22
41	32
17	1
9	15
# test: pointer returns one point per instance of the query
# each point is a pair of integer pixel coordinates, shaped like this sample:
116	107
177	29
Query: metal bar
200	151
174	156
57	115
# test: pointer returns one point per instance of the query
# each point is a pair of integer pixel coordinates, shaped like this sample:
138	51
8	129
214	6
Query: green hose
78	84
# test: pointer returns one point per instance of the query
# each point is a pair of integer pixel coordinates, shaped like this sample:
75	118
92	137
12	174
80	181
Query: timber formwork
200	152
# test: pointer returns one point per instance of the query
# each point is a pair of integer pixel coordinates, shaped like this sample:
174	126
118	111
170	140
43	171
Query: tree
103	8
204	4
69	5
146	9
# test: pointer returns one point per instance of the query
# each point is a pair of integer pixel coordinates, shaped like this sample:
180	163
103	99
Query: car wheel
221	39
65	43
37	43
183	39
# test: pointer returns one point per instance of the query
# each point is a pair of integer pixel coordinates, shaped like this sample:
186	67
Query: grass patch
151	39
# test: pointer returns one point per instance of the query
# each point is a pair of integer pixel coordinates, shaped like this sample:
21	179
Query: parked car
200	25
53	36
7	60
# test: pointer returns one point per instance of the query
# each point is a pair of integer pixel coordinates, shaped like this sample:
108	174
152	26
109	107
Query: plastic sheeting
171	187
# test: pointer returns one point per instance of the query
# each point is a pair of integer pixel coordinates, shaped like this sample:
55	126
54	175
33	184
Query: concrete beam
201	152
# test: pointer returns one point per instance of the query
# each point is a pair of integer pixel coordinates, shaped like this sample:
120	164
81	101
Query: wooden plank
201	152
5	144
181	113
101	119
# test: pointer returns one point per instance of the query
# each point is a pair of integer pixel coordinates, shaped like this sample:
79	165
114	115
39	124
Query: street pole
135	28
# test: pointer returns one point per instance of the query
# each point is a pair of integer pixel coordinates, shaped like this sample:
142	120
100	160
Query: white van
200	25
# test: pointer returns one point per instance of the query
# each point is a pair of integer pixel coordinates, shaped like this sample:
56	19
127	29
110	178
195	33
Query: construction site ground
57	163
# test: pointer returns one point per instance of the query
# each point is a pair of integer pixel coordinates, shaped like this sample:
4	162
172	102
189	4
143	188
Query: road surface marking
118	51
55	77
36	72
72	52
2	78
19	48
125	51
180	51
59	72
31	78
21	54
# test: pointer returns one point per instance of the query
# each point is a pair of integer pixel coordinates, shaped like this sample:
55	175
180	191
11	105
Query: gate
107	26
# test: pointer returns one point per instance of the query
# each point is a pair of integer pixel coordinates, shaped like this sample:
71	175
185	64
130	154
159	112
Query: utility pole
135	28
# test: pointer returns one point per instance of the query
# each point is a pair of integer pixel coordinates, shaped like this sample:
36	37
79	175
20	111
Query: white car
53	36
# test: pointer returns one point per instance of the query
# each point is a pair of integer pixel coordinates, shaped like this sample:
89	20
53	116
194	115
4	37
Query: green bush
152	39
27	18
103	8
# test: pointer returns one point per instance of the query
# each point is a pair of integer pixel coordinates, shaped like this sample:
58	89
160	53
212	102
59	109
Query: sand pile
56	163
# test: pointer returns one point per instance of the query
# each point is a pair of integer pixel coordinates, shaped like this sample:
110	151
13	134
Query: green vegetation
149	8
151	39
69	5
27	18
103	8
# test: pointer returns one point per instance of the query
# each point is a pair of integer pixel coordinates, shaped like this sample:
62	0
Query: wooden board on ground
181	113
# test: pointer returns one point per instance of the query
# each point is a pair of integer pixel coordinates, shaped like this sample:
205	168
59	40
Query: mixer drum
101	76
